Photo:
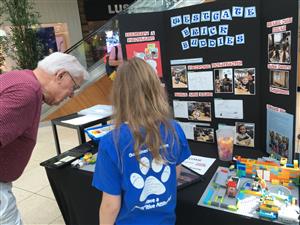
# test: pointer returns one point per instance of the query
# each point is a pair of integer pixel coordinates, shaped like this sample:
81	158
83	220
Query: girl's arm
178	170
109	209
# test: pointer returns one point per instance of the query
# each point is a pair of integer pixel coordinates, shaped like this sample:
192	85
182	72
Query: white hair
61	61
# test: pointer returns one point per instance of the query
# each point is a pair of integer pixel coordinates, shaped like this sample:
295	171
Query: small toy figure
88	158
255	186
262	183
258	184
232	186
283	161
231	167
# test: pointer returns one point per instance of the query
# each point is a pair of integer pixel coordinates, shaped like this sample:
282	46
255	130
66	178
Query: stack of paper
83	119
104	110
198	164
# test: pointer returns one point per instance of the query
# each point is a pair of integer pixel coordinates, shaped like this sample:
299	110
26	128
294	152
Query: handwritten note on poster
200	81
229	109
180	109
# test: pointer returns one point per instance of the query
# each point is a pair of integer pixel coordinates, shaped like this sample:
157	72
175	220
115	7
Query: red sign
148	51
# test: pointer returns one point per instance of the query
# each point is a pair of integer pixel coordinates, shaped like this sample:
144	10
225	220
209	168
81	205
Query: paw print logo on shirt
151	185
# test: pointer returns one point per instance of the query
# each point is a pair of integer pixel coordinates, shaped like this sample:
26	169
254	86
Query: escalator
92	49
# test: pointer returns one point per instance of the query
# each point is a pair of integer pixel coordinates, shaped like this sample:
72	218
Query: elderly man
22	93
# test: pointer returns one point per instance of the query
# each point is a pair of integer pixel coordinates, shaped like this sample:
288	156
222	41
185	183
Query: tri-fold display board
226	63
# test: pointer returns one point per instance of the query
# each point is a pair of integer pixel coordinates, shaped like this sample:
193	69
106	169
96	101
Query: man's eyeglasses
75	86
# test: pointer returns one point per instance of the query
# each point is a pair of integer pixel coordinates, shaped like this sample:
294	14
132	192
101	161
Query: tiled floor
34	195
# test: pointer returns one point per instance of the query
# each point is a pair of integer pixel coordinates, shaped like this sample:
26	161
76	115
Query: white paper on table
188	128
180	109
198	164
229	109
84	119
104	110
200	81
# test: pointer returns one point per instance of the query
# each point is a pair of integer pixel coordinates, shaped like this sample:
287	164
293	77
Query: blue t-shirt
148	190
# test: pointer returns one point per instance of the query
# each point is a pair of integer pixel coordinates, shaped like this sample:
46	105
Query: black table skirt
79	202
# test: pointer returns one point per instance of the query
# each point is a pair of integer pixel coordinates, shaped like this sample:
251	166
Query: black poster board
248	57
248	53
279	14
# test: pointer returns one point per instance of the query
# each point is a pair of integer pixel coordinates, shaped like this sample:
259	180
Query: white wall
61	11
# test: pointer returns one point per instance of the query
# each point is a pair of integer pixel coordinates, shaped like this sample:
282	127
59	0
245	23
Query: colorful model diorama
264	188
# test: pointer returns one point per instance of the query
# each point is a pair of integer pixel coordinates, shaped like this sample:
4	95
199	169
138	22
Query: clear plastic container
225	137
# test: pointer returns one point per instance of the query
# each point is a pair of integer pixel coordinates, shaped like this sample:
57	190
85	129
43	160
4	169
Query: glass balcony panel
92	50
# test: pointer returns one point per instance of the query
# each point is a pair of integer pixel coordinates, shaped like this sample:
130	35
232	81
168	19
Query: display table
79	201
80	128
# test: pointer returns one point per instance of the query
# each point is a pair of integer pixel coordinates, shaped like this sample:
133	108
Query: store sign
104	9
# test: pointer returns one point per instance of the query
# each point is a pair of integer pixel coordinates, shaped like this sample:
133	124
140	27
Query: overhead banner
104	9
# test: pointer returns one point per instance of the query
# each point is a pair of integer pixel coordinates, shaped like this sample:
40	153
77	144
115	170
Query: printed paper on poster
280	134
229	109
180	109
148	51
200	81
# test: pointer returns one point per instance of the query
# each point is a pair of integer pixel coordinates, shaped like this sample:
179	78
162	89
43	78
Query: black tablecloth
79	201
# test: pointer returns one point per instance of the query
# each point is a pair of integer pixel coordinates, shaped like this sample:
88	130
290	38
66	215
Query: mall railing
91	50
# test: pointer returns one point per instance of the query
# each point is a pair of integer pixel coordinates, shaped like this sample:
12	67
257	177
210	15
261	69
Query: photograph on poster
244	134
279	47
179	76
204	134
278	143
244	81
279	79
223	80
188	128
199	111
200	81
280	134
